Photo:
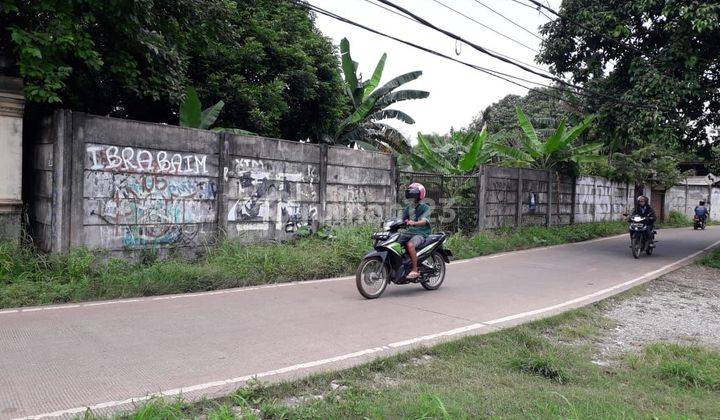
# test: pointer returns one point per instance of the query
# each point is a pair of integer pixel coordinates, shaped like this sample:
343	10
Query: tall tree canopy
542	107
264	58
672	63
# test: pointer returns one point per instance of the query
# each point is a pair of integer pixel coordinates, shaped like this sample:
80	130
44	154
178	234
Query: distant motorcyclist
416	216
701	211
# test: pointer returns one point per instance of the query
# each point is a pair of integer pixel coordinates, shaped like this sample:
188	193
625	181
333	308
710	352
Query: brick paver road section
57	360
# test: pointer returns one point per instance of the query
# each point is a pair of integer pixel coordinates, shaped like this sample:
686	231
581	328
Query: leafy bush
678	219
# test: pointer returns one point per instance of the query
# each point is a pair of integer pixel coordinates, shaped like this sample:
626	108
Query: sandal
413	275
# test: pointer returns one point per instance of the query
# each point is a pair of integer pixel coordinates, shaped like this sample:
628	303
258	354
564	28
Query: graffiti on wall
266	196
128	159
145	198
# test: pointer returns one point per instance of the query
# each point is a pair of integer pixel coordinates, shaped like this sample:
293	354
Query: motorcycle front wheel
437	263
371	278
636	246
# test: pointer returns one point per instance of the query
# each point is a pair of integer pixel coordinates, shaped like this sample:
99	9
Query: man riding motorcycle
643	209
416	216
701	211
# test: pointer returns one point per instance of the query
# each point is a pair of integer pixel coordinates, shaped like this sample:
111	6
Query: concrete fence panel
126	185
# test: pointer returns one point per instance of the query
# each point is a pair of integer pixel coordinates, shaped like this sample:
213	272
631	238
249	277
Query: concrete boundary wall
506	194
125	186
684	198
128	186
598	199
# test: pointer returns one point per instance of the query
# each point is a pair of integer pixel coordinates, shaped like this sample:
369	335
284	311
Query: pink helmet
415	190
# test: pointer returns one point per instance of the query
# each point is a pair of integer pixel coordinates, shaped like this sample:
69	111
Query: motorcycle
389	262
698	222
642	238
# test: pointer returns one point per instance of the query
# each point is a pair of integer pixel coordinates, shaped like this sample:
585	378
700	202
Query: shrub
678	219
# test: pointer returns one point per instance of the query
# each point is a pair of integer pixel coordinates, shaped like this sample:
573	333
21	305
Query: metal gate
452	198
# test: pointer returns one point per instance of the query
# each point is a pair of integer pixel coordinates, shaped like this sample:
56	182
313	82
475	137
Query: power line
527	69
537	9
494	73
508	19
395	12
390	10
486	26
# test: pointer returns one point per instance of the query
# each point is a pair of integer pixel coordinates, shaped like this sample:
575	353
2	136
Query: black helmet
702	202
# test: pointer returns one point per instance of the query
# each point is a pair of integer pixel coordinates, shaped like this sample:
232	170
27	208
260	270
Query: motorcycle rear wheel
436	281
636	246
371	278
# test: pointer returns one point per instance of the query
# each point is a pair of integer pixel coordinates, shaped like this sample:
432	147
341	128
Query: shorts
415	239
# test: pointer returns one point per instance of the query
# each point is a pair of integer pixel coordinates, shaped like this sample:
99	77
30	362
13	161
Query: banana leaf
392	114
375	79
552	144
518	156
533	144
210	115
190	109
395	83
470	161
435	159
349	69
401	95
576	131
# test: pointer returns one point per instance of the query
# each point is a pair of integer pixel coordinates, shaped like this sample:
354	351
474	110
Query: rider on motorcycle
701	211
643	209
416	216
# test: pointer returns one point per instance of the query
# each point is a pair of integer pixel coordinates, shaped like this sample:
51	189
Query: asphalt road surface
56	361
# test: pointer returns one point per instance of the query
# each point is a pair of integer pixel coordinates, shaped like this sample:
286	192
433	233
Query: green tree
652	164
370	106
500	118
265	58
671	66
460	152
557	152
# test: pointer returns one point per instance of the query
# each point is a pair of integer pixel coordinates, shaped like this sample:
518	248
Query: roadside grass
31	278
712	259
545	369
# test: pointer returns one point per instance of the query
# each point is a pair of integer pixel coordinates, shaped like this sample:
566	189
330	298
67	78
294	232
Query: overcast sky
457	93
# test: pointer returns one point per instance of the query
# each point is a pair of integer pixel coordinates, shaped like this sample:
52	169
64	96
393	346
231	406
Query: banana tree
557	152
459	153
193	116
363	127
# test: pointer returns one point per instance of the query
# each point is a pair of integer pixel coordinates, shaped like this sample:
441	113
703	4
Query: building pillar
12	103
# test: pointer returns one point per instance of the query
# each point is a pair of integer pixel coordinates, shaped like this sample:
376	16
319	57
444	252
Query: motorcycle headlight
380	236
637	226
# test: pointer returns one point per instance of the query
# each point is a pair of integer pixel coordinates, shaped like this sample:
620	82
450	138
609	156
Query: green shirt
421	212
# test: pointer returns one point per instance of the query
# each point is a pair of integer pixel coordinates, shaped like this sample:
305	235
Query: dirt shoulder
682	307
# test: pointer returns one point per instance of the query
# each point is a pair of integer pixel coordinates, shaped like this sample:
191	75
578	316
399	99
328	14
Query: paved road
57	360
